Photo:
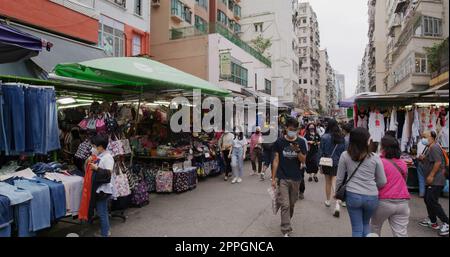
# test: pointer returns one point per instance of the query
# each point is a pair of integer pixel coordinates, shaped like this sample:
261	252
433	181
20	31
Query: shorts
329	171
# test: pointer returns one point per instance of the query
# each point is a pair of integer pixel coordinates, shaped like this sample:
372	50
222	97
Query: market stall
110	97
405	116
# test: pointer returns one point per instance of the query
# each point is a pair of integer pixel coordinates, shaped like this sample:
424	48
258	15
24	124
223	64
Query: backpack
446	161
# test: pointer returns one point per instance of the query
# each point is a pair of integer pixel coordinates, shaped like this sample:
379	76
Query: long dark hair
358	144
391	147
307	128
335	132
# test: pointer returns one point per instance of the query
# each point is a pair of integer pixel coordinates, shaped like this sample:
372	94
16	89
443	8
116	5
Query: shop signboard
225	65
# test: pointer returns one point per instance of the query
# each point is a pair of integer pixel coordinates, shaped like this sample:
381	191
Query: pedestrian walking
290	152
256	151
320	129
433	163
362	173
225	144
267	153
346	129
332	145
393	196
237	156
312	158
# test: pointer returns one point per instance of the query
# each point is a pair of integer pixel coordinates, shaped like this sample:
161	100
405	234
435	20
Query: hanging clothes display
83	213
443	136
415	130
393	124
376	126
73	189
406	132
29	121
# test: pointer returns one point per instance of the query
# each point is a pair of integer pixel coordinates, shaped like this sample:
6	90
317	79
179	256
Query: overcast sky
343	29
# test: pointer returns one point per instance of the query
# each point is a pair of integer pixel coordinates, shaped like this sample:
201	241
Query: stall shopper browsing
433	169
102	188
290	152
226	143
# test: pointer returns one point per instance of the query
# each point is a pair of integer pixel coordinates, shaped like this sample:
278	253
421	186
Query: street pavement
219	208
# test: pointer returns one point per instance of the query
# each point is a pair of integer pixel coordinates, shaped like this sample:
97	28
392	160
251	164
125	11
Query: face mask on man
425	141
291	134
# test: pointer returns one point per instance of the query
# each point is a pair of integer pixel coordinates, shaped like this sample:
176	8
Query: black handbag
340	193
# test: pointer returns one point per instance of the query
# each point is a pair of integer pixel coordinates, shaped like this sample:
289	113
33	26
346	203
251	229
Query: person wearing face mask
225	144
433	164
312	158
363	174
102	188
237	156
290	153
256	151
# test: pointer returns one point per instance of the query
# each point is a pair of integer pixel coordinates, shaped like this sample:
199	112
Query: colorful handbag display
164	180
84	150
115	147
126	146
120	181
83	124
100	125
92	124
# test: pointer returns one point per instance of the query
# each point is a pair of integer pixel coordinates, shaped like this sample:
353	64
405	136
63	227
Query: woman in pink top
256	150
394	196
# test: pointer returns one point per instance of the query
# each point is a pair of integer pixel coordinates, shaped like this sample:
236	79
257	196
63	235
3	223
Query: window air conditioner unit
156	3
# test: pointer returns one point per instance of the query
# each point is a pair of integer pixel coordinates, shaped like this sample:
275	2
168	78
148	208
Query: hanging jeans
420	178
14	117
3	139
35	120
103	214
51	125
360	209
237	162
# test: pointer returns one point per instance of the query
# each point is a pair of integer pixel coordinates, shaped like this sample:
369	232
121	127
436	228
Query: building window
201	24
222	18
258	27
122	3
268	86
421	64
111	39
432	27
304	21
237	27
256	81
137	45
305	81
202	3
239	75
177	8
187	14
138	7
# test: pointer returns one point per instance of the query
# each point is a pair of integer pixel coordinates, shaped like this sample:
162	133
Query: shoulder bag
398	168
327	161
341	191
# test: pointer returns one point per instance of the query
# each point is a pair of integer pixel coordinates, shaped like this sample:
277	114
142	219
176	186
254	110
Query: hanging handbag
341	191
126	146
100	125
91	125
120	181
327	161
84	150
111	123
83	124
115	147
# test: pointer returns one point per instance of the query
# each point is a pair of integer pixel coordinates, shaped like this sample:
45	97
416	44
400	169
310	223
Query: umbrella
137	72
16	45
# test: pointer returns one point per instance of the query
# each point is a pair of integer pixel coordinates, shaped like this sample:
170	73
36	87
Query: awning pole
137	121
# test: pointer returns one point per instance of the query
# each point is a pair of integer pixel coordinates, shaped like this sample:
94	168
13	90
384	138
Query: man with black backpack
434	164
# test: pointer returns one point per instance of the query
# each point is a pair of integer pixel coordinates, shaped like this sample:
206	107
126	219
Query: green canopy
136	72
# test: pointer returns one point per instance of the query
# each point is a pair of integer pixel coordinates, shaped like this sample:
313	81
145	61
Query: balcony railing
212	28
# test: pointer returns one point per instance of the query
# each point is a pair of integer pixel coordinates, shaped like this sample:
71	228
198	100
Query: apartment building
270	21
327	84
413	26
377	45
309	53
79	30
340	86
363	73
192	35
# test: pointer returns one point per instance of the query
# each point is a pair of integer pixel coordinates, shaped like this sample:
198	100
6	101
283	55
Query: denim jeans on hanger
34	118
420	178
14	117
51	125
3	142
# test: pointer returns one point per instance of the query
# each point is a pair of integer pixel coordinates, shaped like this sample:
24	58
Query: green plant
261	44
436	55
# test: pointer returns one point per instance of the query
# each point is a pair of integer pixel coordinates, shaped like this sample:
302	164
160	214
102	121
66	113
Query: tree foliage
261	44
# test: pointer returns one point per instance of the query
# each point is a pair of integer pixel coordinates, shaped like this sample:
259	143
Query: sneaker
327	203
444	230
234	180
262	177
239	180
316	179
225	178
301	196
310	179
337	210
286	235
427	223
344	204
